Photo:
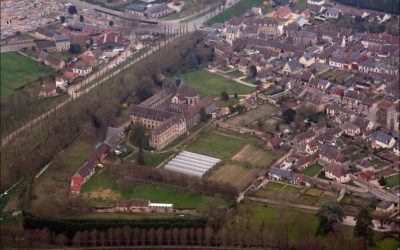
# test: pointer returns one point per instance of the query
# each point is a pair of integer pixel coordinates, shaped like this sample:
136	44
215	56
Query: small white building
316	2
160	205
82	68
61	83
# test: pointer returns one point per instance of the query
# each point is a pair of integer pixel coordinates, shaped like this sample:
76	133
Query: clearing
256	156
206	83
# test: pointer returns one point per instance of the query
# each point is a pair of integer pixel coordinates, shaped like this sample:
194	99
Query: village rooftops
62	38
136	8
337	170
281	172
150	113
157	8
384	204
260	22
305	34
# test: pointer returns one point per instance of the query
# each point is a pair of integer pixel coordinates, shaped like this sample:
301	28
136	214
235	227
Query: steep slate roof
136	8
157	8
185	90
384	204
281	172
336	170
150	113
294	64
96	155
382	137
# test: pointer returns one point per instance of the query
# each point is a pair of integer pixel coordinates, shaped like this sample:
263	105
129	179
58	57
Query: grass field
257	156
393	180
378	163
224	67
217	145
270	125
292	189
102	190
314	192
236	175
236	74
235	10
300	5
52	187
17	70
151	159
312	170
252	115
206	83
5	92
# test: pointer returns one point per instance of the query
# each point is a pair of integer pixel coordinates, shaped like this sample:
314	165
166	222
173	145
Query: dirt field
256	156
260	112
236	175
104	194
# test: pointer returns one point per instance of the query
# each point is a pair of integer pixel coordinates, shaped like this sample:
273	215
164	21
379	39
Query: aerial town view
265	124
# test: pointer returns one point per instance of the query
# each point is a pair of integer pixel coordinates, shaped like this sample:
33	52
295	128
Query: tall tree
364	226
329	213
81	18
288	115
72	10
191	60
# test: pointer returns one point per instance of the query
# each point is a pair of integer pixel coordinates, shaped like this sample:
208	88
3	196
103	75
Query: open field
17	70
236	175
257	156
151	159
235	10
51	188
206	83
217	145
312	170
393	180
236	74
101	190
260	112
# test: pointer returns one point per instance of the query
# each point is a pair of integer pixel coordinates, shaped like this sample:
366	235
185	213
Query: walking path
220	73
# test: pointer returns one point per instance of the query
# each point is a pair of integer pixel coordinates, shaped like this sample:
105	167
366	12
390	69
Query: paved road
378	193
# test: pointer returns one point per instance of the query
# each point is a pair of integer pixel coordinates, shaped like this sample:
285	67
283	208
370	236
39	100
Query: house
350	129
316	9
135	9
393	117
62	42
316	2
82	68
50	60
385	206
92	60
283	12
303	138
158	10
337	173
292	67
332	12
231	34
304	180
48	46
307	59
44	34
382	140
114	137
304	38
99	155
365	165
131	205
367	175
274	143
305	14
76	183
61	83
304	162
312	147
330	154
278	174
86	171
69	76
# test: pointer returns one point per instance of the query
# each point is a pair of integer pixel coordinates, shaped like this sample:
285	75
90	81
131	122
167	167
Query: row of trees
390	6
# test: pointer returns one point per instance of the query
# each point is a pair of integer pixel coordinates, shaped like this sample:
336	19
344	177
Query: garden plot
191	164
256	156
236	175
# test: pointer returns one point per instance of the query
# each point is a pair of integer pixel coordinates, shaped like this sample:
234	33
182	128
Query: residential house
385	206
382	140
315	9
47	46
332	12
283	12
44	34
365	165
337	173
158	10
393	117
76	183
86	171
114	137
99	155
278	174
304	180
350	129
50	60
316	2
303	138
231	34
292	67
92	60
274	143
307	59
62	42
367	175
82	68
330	154
312	147
61	83
131	205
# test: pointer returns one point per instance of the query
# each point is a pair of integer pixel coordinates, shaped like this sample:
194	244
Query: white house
337	173
82	68
61	83
382	140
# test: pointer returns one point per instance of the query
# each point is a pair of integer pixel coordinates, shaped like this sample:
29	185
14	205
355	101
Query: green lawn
194	17
378	163
128	150
235	10
236	74
272	184
358	156
300	5
393	180
217	145
349	150
152	159
312	170
5	92
17	70
292	189
326	75
154	193
206	83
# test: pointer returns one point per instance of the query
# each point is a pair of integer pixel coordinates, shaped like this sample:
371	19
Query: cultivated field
258	113
216	144
206	83
236	175
257	156
17	70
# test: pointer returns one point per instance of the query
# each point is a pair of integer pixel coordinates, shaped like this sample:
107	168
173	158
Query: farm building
191	164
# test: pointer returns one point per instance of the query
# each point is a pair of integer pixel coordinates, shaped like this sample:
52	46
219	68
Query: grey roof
113	132
301	21
217	26
382	137
332	11
231	30
62	38
281	172
157	8
384	204
85	25
42	54
294	64
367	64
308	55
136	8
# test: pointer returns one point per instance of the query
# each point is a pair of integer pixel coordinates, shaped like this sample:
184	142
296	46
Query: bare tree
160	235
208	234
93	237
76	241
175	234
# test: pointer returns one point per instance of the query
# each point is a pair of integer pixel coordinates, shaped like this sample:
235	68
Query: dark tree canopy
111	23
62	19
72	10
191	60
253	71
329	213
224	96
75	48
81	18
289	115
364	224
390	6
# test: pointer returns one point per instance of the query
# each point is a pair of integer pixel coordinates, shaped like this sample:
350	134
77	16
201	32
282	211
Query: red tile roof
312	144
76	183
366	174
338	91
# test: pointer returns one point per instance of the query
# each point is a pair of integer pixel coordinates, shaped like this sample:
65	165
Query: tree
288	115
329	213
139	135
277	127
81	18
140	158
236	95
383	217
72	10
253	71
364	225
75	48
62	19
111	23
191	60
203	114
224	96
382	181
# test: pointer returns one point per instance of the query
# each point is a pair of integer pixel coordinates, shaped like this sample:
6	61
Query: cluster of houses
114	137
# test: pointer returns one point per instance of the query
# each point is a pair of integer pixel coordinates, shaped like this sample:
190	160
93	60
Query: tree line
389	6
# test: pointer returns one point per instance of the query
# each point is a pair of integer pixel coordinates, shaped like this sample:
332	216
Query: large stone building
170	112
